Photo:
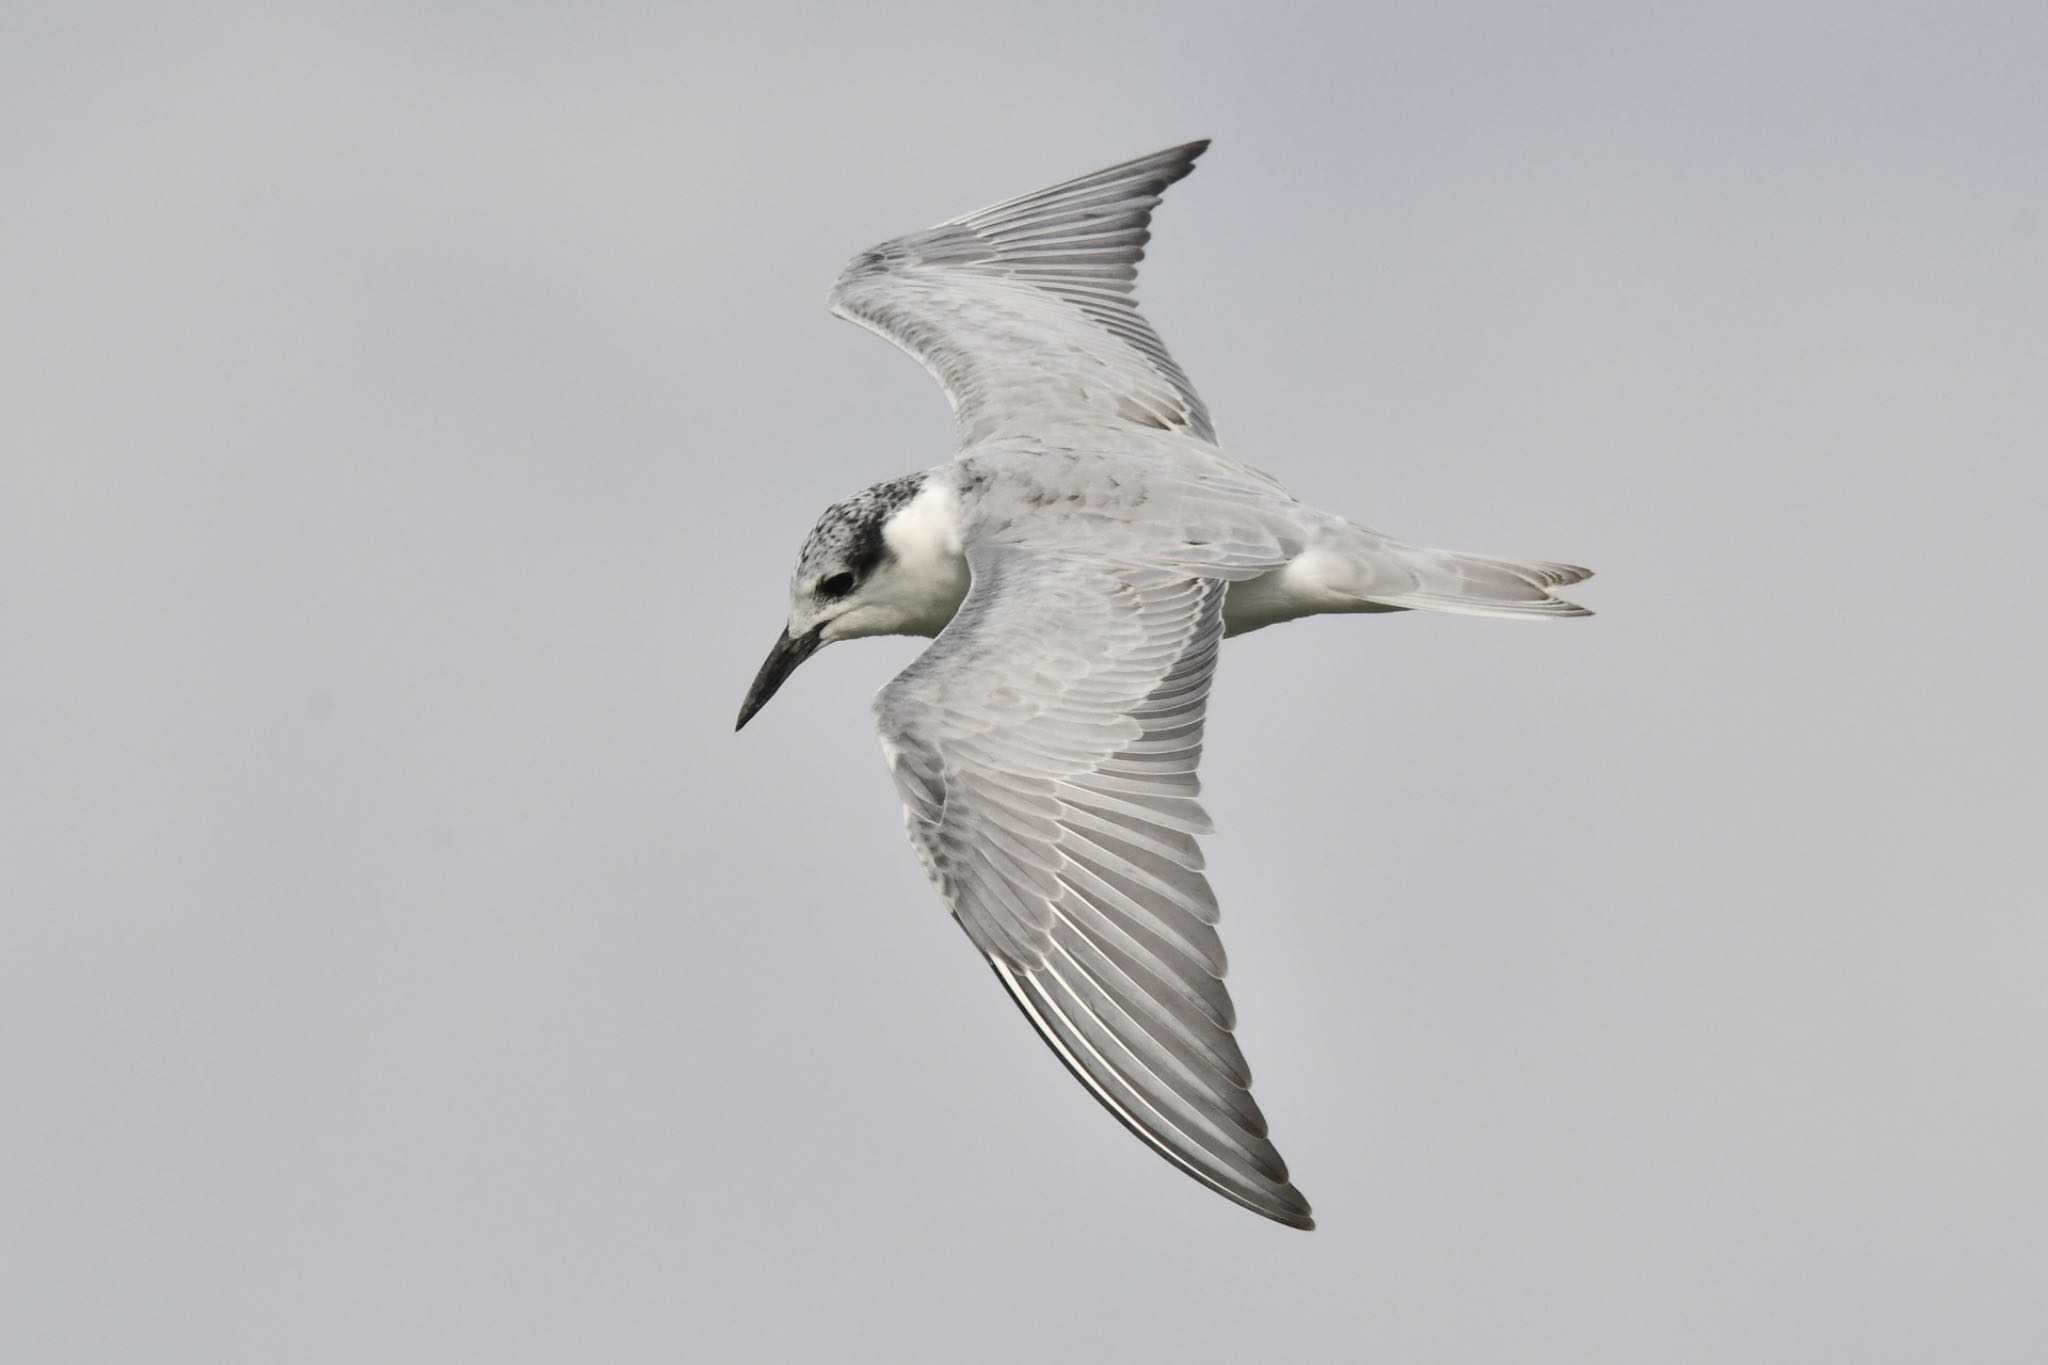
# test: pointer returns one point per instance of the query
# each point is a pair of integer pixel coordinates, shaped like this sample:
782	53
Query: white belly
1307	585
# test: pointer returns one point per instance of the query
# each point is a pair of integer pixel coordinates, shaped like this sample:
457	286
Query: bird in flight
1078	564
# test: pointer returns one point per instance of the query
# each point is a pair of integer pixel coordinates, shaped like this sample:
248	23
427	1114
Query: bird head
867	568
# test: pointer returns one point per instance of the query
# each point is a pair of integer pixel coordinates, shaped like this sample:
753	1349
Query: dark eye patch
835	585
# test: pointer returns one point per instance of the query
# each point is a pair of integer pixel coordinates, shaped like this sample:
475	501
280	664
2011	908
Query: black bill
781	662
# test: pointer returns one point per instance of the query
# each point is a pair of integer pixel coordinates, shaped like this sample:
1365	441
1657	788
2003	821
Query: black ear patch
849	535
865	547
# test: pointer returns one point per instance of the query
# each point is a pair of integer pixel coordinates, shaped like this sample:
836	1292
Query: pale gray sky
412	411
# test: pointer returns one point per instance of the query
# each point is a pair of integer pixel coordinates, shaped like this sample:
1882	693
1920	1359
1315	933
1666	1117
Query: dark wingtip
1163	168
1184	158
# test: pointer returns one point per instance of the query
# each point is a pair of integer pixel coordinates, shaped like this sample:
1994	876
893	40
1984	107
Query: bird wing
1045	747
1023	311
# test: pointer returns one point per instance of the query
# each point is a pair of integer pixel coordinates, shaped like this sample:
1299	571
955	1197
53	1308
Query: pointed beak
781	662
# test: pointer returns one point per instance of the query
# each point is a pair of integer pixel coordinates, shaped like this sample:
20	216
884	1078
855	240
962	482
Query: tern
1077	565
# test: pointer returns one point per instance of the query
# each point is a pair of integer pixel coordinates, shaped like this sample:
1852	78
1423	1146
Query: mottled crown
849	534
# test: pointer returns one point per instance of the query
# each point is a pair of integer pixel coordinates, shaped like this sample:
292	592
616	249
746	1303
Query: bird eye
836	585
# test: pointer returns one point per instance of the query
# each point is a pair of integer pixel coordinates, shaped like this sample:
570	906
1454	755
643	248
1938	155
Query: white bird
1079	563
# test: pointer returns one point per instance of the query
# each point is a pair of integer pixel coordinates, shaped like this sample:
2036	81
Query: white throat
929	577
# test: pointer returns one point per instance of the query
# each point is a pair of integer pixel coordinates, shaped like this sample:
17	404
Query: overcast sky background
412	411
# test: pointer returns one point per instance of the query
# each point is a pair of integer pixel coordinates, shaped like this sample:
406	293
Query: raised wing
1023	311
1045	747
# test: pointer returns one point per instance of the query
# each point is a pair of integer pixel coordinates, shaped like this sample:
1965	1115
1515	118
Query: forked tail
1476	585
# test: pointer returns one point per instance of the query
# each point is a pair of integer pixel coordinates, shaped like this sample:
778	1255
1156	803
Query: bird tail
1412	577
